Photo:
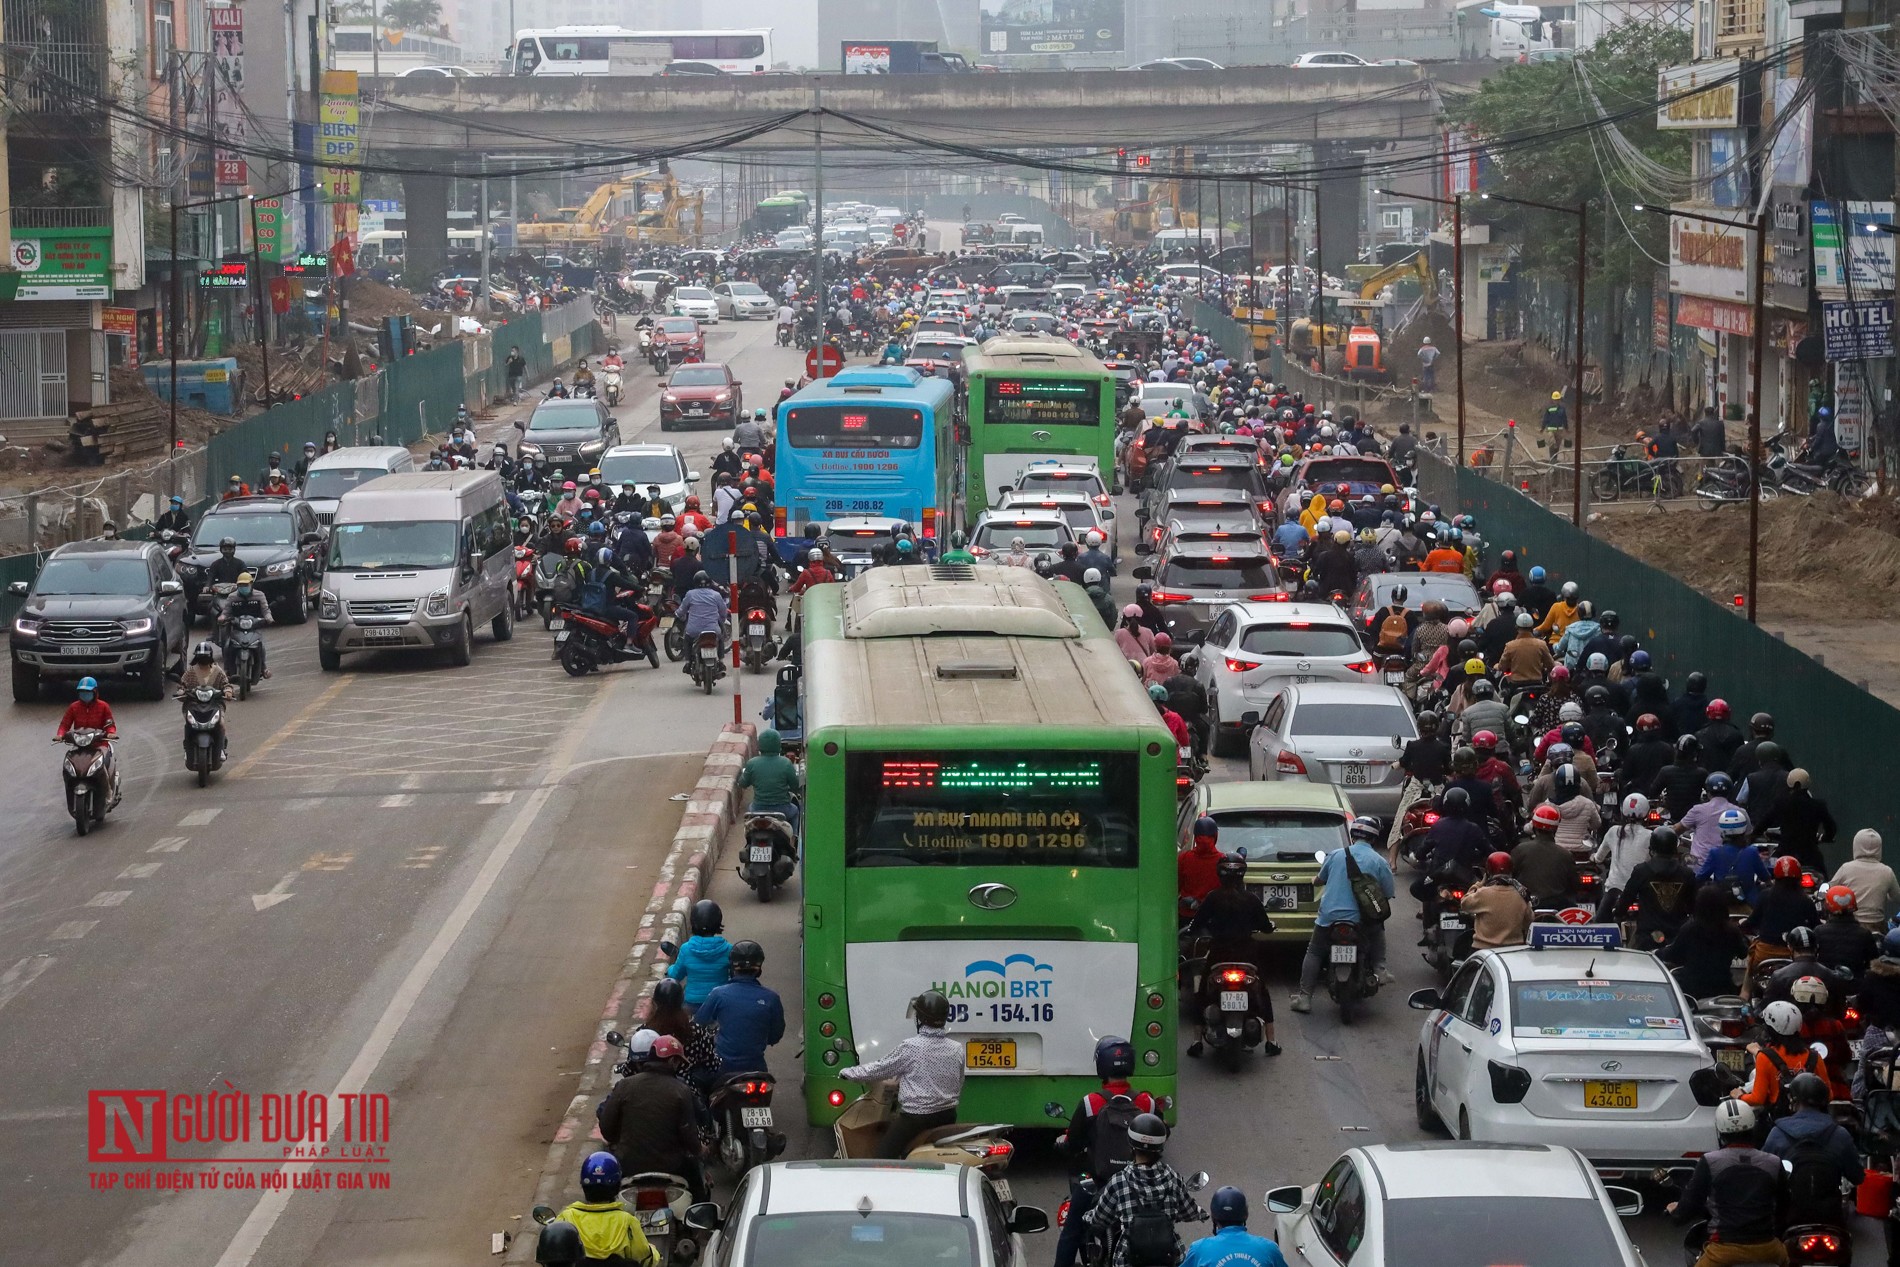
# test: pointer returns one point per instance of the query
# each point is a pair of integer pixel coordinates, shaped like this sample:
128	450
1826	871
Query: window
1276	713
1353	719
1000	1242
738	48
1339	1210
1297	640
1460	987
1477	1009
164	41
1390	219
1223	631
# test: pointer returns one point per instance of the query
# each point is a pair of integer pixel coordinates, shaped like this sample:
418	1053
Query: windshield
947	808
641	468
125	574
1208	476
579	416
393	547
246	530
749	290
1448	1231
676	325
845	1238
1349	471
1354	720
692	292
922	351
1036	536
1063	481
1220	572
334	481
1420	589
1082	517
1299	640
855	427
1636	1010
1278	834
855	542
698	376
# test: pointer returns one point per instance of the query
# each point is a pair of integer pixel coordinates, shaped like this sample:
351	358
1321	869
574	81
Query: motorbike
860	1128
584	642
1448	929
659	1201
1807	1244
204	730
88	795
1189	770
175	543
525	586
771	853
1233	1021
742	1121
707	666
757	647
785	334
610	387
1622	473
1348	970
246	646
1098	1247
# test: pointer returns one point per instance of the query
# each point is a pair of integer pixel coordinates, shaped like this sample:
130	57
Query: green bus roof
1031	350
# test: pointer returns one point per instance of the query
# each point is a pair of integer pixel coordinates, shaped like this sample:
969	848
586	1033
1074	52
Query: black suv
99	609
280	541
1207	472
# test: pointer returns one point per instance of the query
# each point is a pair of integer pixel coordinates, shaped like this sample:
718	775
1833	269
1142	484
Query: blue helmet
1229	1207
1206	826
597	529
1718	784
1733	824
1890	944
601	1170
1639	659
1537	576
88	686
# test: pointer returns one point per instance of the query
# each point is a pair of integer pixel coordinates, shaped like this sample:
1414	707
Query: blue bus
877	441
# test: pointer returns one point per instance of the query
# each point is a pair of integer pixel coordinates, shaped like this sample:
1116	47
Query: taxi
1570	1041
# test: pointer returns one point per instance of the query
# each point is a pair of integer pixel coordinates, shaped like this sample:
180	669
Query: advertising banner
867	59
1789	257
1704	95
1050	26
59	264
1715	316
227	56
337	131
1868	265
1711	260
1858	331
274	232
1850	406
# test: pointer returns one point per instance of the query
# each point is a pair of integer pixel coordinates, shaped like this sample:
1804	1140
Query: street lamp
1457	296
1581	211
1760	229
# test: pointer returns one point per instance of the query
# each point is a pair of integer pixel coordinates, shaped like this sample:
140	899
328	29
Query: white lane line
303	805
170	844
280	892
110	897
397	801
73	929
270	1207
20	976
495	798
200	817
411	782
140	870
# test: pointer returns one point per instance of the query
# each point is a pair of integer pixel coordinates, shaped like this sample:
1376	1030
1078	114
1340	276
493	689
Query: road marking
170	844
411	782
111	897
328	861
423	858
495	798
200	817
140	870
73	929
279	892
20	976
396	801
270	1207
303	805
291	727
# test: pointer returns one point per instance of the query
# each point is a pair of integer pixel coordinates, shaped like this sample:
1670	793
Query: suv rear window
1350	471
1299	640
1280	834
1220	572
1202	475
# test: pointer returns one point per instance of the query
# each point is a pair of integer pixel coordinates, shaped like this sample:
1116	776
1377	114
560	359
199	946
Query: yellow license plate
1609	1095
989	1053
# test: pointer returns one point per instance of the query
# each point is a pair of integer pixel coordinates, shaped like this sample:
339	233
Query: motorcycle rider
651	1119
727	462
1777	1061
1761	729
1197	868
703	609
1338	904
1232	1245
1649	752
1188	698
89	712
1229	916
205	671
1097	1141
1840	941
745	1015
1876	891
244	601
929	1069
773	778
1660	890
1499	908
1623	848
1454	842
1822	1154
1718	736
1740	1190
748	435
607	1228
1140	1205
704	960
1544	867
1704	947
175	519
1734	864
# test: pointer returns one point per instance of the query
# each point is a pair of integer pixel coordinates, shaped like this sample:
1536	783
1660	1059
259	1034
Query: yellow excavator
1415	265
584	225
664	225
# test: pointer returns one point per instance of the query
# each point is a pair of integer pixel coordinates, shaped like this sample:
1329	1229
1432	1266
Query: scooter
771	853
1098	1247
742	1121
757	646
524	582
1448	931
88	794
545	566
1348	970
610	387
659	1201
1234	1024
584	642
204	730
860	1128
246	647
706	666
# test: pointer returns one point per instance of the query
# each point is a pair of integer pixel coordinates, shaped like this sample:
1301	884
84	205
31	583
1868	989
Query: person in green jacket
773	779
959	551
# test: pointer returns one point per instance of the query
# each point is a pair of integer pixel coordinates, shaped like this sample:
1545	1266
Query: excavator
583	225
664	225
1354	325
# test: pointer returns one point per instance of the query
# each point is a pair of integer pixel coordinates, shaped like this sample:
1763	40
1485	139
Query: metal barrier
48	517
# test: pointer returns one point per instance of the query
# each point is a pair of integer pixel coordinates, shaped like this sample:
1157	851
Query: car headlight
26	628
438	603
138	628
524	448
327	606
723	398
593	446
283	568
189	569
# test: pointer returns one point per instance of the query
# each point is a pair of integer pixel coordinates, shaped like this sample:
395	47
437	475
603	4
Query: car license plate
1233	1000
759	853
756	629
1609	1095
1345	954
1352	774
82	649
1280	897
989	1053
380	633
755	1115
561	637
557	623
1456	922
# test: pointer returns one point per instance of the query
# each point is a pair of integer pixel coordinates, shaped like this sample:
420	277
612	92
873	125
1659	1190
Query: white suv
1253	650
1081	510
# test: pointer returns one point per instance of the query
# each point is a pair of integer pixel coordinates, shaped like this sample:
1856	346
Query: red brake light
1160	597
1852	1016
1269	598
1238	666
1366	666
1807	879
649	1198
1431	817
835	1098
1289	763
1233	976
1299	624
1457	893
1820	1242
1218	558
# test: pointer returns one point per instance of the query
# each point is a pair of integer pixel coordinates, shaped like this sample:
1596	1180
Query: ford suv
104	609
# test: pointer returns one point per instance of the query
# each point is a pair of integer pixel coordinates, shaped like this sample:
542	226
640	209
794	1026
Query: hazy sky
794	24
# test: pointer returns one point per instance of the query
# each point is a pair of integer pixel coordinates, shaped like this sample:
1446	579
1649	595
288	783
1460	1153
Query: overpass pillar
1340	199
425	205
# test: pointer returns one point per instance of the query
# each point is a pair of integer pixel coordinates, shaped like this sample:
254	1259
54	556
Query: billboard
1050	26
59	264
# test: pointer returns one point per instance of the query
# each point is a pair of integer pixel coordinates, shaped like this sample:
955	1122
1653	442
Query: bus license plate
759	853
990	1053
1609	1095
1345	954
1280	897
557	623
759	1115
1352	774
1233	1000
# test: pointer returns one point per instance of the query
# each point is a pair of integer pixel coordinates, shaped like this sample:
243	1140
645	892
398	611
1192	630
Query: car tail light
1238	666
1103	499
1162	597
1289	763
1234	976
1280	597
1368	666
778	521
1062	1213
649	1198
930	521
1509	1084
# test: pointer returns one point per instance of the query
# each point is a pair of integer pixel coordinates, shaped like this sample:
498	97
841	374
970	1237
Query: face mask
244	591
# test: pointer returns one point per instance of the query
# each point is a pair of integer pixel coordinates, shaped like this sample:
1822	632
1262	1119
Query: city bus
781	211
1033	396
990	813
586	50
871	440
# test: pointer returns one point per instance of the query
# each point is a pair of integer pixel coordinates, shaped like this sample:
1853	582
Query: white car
1328	61
1254	649
696	302
1044	532
1396	1205
1078	508
740	300
646	464
1590	1047
645	282
800	1212
1053	475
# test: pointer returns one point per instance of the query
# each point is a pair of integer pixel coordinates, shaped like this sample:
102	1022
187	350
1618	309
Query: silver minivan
333	474
416	562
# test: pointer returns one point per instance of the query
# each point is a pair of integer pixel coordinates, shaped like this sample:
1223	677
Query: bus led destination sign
1057	402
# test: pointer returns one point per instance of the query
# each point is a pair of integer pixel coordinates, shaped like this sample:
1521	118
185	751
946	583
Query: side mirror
521	424
738	382
542	1214
1250	718
668	949
1424	1001
1143	547
1026	1219
17	588
1198	1181
615	1037
1144	573
1056	1111
705	1216
692	477
1628	1201
1286	1200
1108	514
166	589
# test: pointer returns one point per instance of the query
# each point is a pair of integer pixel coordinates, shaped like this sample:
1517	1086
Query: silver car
1348	734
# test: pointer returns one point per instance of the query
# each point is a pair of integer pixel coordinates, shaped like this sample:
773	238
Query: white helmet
815	555
1095	537
1735	1117
1506	600
1570	711
640	1046
1808	991
1782	1017
1636	805
1091	576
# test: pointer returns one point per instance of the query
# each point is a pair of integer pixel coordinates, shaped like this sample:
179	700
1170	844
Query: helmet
667	1047
1718	784
88	686
1808	991
1498	863
702	580
748	957
227	545
206	651
1506	600
1114	1058
1598	696
1841	900
1571	732
707	919
1688	747
601	1170
1481	688
1206	826
1232	866
1787	868
1150	1134
1428	723
1158	693
1663	840
1639	660
1697	684
597	529
1647	724
1565	780
1366	828
574	545
1571	711
1799	939
1735	1117
1733	824
1163	642
1782	1017
1717	710
1558	754
1596	662
1464	760
1560	674
1229	1207
815	555
1457	628
1474	667
1890	944
1635	805
1547	817
1525	621
560	1243
1761	725
669	993
1485	741
1569	591
1455	801
931	1008
1537	575
1768	752
1609	621
1808	1090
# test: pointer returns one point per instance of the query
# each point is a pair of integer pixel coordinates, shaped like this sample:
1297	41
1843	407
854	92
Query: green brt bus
782	211
989	812
1034	396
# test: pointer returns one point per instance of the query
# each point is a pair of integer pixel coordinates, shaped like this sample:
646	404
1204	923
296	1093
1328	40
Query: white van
416	562
333	474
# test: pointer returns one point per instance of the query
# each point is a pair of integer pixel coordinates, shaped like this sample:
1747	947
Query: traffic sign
833	361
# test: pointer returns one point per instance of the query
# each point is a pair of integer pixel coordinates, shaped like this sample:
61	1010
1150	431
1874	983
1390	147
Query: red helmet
1163	641
1498	863
1560	674
667	1047
1647	724
1840	900
575	545
1546	817
1717	710
692	502
1484	741
1786	868
1335	506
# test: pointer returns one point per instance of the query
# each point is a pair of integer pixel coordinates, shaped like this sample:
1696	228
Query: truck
1490	31
899	57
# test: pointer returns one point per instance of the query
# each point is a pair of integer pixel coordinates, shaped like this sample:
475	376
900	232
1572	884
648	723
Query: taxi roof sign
1575	937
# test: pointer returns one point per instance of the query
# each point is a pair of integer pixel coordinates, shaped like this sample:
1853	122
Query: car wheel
329	659
1428	1119
665	425
1464	1124
297	611
26	683
503	626
151	679
462	650
1223	743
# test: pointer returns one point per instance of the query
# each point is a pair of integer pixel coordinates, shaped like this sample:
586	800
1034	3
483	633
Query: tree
412	15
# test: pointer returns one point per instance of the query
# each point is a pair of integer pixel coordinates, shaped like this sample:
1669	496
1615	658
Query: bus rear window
960	809
854	427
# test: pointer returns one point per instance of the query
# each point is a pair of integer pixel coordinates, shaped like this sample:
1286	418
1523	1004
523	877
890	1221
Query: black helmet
1229	1207
1148	1133
1231	868
1799	939
1768	752
701	580
748	958
1596	697
1761	725
1114	1058
1663	839
1688	746
1464	760
1609	620
1428	723
1481	688
931	1008
668	993
1626	644
1455	801
707	919
227	545
560	1243
1809	1091
1466	649
1697	684
1571	732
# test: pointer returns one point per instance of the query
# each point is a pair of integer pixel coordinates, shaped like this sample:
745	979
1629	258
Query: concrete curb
708	815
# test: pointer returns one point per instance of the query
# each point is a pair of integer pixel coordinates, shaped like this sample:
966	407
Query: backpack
1814	1181
1392	631
1109	1146
1784	1074
564	586
1150	1239
1374	906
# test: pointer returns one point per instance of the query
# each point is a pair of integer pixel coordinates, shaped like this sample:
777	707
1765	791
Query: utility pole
481	223
263	294
818	218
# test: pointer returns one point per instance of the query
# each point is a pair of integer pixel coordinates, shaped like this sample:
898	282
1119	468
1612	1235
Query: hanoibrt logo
1016	989
231	1139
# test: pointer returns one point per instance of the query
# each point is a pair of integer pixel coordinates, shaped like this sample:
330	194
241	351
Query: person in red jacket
89	712
1197	871
1507	572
